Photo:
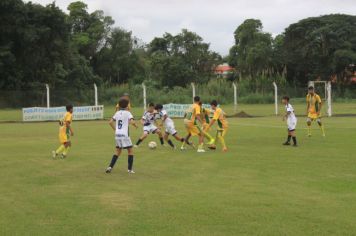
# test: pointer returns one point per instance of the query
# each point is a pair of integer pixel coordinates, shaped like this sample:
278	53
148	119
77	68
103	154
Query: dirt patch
241	114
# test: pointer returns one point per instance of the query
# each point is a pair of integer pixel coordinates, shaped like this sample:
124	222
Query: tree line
42	44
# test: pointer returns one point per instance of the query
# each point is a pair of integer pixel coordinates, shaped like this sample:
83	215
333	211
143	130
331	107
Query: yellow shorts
63	135
192	129
313	116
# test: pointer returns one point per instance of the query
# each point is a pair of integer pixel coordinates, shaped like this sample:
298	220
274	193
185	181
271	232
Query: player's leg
309	122
166	135
221	135
143	137
294	138
289	137
201	140
63	139
321	126
159	133
206	134
67	146
130	160
114	158
59	150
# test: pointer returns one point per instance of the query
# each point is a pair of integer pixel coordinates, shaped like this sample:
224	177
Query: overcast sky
214	20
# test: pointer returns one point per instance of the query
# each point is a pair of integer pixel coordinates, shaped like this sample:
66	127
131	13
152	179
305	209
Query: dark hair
214	103
69	107
285	98
123	103
151	104
158	107
310	88
196	99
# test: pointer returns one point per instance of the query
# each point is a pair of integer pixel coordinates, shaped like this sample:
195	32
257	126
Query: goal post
327	93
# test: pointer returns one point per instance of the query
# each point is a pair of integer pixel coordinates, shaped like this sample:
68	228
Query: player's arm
215	118
70	127
112	123
133	123
286	115
320	106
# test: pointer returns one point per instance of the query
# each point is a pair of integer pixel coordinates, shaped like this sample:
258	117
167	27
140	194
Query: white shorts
170	129
123	142
150	128
292	124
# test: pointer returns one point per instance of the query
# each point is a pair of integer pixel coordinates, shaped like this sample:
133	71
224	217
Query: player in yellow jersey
191	120
314	106
65	131
125	96
204	116
220	118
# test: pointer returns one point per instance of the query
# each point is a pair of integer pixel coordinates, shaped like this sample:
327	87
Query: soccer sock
170	143
138	142
294	140
206	134
201	146
322	129
130	160
60	149
66	150
288	138
222	140
161	140
113	160
309	129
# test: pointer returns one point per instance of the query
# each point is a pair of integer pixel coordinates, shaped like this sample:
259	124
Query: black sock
138	142
288	139
170	143
130	160
295	140
161	140
182	140
113	160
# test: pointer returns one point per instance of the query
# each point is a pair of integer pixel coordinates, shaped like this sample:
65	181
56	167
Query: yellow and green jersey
204	114
314	102
192	113
220	117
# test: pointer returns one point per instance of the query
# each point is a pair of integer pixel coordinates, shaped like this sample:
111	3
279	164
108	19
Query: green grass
258	188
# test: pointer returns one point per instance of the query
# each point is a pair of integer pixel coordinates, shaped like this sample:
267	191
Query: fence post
96	94
235	97
47	89
144	96
275	98
193	90
329	98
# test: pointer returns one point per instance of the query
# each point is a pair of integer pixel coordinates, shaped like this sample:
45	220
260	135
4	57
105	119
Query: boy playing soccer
291	121
65	131
148	121
120	124
169	125
204	115
220	118
314	105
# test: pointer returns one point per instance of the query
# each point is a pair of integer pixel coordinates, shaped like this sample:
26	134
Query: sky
214	20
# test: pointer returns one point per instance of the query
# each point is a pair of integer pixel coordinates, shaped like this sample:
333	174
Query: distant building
224	70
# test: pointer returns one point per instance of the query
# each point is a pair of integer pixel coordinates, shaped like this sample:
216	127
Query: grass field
258	188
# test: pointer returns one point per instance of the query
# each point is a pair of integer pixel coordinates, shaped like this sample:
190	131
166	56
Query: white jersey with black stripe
122	119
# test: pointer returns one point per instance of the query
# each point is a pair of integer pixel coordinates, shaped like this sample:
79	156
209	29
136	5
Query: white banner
178	110
57	113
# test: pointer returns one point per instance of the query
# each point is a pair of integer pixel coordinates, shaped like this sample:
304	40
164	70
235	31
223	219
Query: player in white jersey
291	121
149	124
120	122
168	123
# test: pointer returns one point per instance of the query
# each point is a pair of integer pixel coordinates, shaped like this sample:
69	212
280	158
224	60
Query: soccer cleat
212	147
63	156
135	146
200	150
182	148
309	135
211	142
286	143
54	154
224	149
130	171
108	170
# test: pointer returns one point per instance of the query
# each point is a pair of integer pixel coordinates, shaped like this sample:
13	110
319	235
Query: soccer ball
152	145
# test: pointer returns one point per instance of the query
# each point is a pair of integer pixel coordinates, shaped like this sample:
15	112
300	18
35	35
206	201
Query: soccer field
259	187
